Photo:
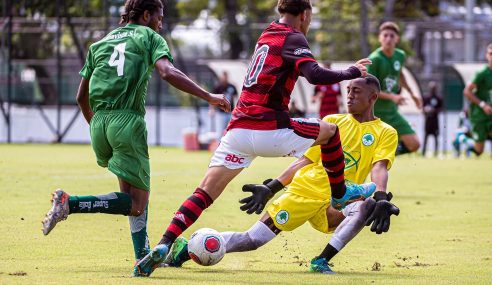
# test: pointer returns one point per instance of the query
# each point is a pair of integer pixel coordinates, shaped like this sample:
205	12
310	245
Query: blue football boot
320	265
151	261
354	192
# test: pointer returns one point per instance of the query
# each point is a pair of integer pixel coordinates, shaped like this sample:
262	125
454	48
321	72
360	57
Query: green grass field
442	236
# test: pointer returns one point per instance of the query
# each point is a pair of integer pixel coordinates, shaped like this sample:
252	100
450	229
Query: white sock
258	235
355	217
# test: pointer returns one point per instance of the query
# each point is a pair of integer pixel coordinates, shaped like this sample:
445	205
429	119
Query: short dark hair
293	7
373	81
135	8
389	26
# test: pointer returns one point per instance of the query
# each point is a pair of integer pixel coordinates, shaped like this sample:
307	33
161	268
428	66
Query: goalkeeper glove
380	216
261	193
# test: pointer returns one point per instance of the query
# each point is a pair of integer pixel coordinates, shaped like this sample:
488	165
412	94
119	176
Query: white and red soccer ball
206	247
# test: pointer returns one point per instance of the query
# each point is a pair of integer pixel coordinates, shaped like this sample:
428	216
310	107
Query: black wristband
380	195
275	186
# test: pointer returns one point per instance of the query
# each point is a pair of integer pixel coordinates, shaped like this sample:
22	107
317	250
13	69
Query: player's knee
412	145
327	130
479	148
137	210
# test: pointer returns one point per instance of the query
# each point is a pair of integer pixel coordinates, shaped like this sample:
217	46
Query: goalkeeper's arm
379	175
261	193
286	177
380	216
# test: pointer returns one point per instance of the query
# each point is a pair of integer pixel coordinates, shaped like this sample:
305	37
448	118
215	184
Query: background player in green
387	65
111	96
479	93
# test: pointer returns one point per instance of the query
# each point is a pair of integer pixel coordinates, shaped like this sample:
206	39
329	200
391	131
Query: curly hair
293	7
135	8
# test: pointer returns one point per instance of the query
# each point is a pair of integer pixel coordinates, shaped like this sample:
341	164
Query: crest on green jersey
282	217
368	139
397	65
351	161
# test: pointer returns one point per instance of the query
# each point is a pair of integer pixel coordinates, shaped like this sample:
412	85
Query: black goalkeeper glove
380	216
261	193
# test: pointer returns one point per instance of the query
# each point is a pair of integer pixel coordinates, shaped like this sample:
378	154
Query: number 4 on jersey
119	51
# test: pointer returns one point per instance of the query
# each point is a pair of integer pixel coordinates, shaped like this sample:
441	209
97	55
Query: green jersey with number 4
118	67
483	80
388	71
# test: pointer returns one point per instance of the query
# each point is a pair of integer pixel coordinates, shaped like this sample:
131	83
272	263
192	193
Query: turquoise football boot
320	265
151	261
354	192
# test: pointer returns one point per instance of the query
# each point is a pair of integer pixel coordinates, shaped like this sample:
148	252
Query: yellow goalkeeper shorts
290	211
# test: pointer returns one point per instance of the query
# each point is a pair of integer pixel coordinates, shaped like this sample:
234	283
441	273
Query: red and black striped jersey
329	101
272	74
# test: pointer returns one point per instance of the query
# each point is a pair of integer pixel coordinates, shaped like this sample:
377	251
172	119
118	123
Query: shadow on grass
271	277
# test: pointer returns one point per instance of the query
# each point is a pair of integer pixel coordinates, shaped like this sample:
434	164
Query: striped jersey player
261	126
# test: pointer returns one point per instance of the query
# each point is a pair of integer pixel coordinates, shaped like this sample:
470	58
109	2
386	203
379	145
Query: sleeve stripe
303	60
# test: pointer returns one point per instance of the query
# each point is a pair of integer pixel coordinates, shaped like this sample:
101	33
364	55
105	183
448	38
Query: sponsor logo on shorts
234	159
282	217
368	139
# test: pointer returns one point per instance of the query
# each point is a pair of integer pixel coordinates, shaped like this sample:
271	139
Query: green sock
138	227
113	203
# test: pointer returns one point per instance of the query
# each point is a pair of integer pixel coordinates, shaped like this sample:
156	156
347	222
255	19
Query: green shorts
119	140
397	121
481	129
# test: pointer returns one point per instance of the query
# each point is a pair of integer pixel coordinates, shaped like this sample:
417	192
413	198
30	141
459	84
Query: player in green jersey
111	97
479	93
387	65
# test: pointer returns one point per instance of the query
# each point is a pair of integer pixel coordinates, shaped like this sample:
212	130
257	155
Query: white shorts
239	147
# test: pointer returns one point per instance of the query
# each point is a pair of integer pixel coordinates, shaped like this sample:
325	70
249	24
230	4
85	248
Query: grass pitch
442	236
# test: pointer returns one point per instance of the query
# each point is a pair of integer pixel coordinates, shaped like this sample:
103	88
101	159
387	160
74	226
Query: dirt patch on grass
18	273
376	266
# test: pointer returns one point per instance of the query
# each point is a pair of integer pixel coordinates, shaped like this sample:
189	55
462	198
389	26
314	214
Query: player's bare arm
397	99
83	100
415	98
288	174
379	175
178	79
380	216
470	95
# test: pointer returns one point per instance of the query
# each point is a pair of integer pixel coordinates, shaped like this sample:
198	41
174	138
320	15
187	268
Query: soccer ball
206	247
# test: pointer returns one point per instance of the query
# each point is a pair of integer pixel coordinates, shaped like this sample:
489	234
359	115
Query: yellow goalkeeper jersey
363	144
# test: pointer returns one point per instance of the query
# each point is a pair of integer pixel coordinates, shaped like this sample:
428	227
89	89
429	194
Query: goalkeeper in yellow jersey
369	147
